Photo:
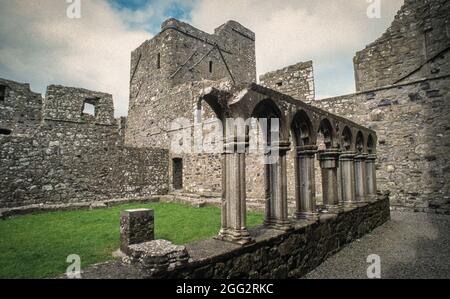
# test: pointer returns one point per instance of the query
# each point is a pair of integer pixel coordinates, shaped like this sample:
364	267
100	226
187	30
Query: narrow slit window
2	93
158	61
210	66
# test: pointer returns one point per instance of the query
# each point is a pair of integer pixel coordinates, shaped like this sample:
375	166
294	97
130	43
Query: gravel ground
411	245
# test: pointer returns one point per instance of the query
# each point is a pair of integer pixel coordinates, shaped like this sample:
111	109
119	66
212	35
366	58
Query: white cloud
328	32
40	45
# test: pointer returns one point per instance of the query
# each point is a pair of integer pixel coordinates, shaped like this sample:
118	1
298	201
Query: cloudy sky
40	45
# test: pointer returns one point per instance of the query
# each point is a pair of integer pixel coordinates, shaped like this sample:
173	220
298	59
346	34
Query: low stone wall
275	254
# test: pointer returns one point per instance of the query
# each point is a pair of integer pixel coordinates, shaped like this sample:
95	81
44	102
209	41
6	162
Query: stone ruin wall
404	82
411	48
53	153
411	119
413	127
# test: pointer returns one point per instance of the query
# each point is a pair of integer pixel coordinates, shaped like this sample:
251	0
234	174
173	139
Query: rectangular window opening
158	61
90	106
210	66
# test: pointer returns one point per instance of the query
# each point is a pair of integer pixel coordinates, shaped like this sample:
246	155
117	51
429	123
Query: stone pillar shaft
276	192
371	176
234	211
348	183
329	167
360	177
305	184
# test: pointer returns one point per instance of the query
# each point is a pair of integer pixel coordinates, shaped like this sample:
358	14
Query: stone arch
213	103
347	139
359	142
302	129
327	131
267	109
276	210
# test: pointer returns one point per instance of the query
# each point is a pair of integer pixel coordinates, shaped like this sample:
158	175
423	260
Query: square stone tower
165	69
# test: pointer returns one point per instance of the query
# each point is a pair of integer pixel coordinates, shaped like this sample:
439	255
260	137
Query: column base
309	216
282	225
239	237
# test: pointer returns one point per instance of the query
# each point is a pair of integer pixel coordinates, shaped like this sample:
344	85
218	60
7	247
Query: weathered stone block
136	226
156	256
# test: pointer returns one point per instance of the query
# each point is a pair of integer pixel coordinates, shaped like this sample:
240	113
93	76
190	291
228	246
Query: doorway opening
177	168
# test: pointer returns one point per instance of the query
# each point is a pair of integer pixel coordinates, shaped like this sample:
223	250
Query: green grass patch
36	246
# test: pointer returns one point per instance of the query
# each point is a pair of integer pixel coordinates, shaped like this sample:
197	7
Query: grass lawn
36	246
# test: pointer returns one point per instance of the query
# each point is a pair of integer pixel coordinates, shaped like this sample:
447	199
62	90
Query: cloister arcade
347	161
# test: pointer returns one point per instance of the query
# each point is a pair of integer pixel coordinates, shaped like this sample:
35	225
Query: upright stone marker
136	226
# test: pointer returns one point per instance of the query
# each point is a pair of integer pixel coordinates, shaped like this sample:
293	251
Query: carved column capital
235	145
329	158
361	157
347	156
309	150
371	157
280	146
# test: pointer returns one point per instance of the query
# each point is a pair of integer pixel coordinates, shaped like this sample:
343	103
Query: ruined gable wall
418	40
412	123
69	157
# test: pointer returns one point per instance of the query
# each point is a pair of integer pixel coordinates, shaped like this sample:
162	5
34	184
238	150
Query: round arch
326	129
302	129
347	139
359	142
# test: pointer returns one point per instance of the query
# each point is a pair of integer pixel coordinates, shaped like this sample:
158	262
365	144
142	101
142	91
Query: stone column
276	179
329	164
360	178
348	183
305	184
371	176
234	211
136	226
